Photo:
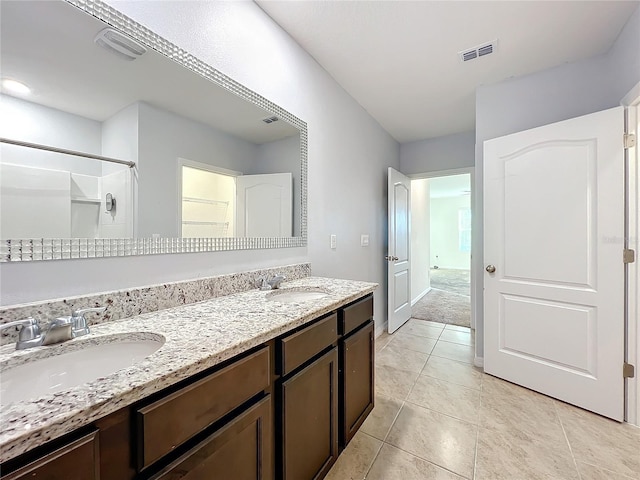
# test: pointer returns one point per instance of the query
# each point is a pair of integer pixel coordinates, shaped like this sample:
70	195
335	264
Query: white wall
34	123
440	153
348	156
445	232
546	97
420	248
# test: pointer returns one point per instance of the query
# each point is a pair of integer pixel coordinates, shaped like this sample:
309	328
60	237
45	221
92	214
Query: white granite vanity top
197	336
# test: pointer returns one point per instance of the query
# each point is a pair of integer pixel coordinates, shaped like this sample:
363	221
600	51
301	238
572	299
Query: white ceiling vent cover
119	44
479	51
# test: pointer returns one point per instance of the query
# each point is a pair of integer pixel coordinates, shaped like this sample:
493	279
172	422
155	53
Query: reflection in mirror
208	163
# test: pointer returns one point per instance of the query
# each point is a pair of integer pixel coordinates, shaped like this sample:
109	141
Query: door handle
490	269
391	258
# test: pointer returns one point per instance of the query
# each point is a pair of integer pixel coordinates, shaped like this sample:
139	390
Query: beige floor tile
454	336
506	407
382	341
393	382
453	351
599	441
452	371
413	342
448	398
379	421
513	454
457	328
395	464
590	472
437	438
357	458
401	358
430	323
420	328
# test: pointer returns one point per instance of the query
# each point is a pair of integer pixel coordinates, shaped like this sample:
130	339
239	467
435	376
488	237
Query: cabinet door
77	460
356	393
241	450
308	421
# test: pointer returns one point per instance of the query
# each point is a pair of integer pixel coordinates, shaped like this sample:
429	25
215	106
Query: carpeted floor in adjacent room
448	301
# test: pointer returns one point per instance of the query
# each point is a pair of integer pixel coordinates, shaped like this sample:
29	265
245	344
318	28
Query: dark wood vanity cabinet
308	420
75	460
241	450
283	410
356	366
356	380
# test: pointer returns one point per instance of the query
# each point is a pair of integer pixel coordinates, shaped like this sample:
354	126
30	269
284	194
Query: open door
398	258
264	205
554	283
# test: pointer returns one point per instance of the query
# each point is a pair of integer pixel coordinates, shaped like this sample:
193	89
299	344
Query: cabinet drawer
356	314
303	345
79	460
172	420
241	450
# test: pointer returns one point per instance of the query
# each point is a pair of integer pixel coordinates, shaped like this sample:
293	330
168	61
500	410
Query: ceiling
399	59
50	47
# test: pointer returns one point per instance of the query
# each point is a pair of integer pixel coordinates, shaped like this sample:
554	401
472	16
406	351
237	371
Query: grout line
475	452
375	457
386	435
575	463
443	413
428	461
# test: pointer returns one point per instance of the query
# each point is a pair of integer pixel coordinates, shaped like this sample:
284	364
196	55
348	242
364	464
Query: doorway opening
441	234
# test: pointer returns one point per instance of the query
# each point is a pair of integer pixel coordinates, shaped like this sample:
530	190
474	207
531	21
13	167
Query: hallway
439	417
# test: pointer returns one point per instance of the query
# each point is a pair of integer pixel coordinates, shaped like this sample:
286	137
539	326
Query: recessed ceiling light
15	87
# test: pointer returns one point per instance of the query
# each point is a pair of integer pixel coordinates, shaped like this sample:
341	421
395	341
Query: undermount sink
293	295
80	362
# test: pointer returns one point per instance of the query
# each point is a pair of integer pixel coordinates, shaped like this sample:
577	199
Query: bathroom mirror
124	144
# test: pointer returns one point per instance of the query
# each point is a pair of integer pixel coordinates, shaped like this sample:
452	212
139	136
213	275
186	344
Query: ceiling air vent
119	44
478	51
270	119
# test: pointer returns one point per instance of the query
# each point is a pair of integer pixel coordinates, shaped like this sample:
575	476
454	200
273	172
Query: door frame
631	102
475	255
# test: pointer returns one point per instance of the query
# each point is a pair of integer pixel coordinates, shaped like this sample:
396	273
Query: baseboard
381	329
478	362
419	297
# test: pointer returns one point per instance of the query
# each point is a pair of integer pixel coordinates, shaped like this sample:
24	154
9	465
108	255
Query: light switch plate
364	240
334	242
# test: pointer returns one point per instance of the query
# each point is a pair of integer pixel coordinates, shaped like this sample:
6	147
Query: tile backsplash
134	301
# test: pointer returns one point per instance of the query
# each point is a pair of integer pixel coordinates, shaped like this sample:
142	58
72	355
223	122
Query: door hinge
628	370
628	255
629	140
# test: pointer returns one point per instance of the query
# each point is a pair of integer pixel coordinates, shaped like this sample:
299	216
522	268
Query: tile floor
439	417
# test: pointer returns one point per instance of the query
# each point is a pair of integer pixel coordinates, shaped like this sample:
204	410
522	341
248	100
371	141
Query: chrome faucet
29	336
264	283
59	330
79	322
276	281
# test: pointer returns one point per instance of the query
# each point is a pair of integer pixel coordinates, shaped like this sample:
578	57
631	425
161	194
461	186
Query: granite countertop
196	337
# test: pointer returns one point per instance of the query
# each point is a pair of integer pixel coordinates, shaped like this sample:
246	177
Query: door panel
559	242
265	205
399	258
554	220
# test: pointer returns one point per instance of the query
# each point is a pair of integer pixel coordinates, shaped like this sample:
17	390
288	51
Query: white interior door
399	257
553	229
265	205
